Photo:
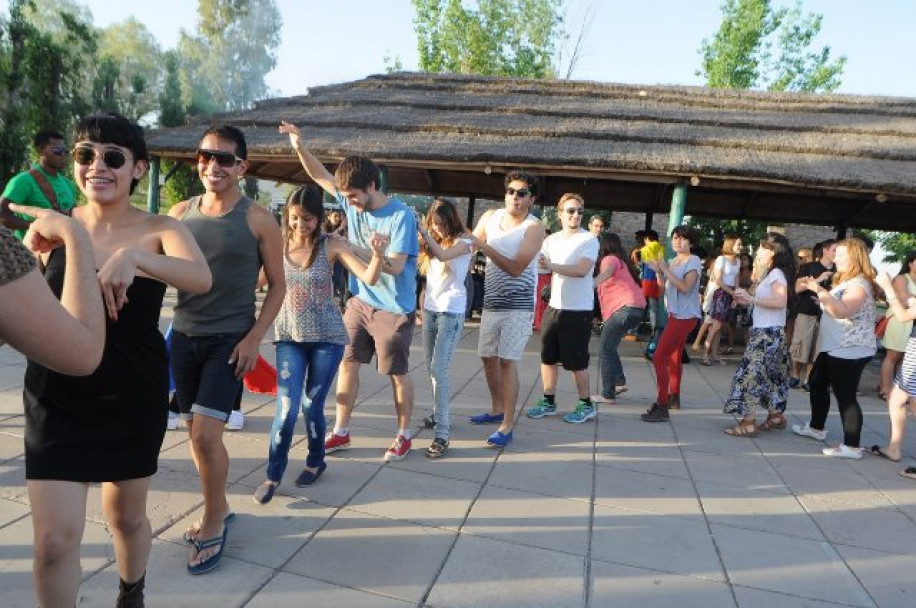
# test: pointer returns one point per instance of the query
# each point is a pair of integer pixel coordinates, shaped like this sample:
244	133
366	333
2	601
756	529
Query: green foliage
181	185
136	53
42	77
713	230
759	47
223	67
897	245
498	37
171	110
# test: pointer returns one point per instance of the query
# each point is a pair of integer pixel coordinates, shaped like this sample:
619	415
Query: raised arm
314	167
530	247
664	274
843	307
31	318
903	305
457	249
368	274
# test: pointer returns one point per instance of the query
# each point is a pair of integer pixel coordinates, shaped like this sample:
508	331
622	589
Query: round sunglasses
86	155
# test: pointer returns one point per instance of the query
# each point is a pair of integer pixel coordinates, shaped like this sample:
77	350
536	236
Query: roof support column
648	225
383	176
152	196
841	232
472	200
676	215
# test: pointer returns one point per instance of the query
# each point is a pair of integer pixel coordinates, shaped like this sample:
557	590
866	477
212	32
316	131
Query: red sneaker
398	449
334	442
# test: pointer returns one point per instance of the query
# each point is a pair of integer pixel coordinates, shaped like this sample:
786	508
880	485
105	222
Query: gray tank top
235	261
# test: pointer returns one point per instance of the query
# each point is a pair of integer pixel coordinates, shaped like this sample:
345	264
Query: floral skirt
762	377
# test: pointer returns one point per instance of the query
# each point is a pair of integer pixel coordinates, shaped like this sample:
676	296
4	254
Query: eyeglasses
223	159
574	211
86	155
60	151
522	193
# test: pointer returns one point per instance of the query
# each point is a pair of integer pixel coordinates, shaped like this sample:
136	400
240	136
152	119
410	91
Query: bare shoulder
179	209
163	222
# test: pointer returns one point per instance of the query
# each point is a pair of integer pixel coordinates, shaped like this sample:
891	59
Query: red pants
667	358
540	304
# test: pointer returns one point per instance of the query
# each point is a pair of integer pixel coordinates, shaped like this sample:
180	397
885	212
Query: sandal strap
200	545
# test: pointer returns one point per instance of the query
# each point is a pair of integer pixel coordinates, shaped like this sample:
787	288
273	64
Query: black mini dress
108	426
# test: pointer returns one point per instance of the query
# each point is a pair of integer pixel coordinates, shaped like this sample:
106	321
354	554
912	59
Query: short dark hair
652	235
233	134
114	129
357	172
43	138
533	183
685	232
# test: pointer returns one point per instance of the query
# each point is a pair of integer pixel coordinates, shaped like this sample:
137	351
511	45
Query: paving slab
485	572
287	589
616	586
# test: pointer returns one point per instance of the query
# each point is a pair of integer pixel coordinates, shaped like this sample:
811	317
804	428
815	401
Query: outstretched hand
48	230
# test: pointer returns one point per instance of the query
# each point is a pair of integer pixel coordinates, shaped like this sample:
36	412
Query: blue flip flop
227	521
213	561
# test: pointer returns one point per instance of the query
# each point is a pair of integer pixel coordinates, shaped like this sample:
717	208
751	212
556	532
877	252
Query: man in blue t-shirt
379	318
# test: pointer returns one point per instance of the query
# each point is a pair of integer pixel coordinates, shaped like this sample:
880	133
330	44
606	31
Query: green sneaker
541	408
585	410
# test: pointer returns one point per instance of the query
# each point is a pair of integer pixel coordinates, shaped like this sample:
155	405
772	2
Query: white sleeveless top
502	291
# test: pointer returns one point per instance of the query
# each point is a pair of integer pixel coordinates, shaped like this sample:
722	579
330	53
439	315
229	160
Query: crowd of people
97	411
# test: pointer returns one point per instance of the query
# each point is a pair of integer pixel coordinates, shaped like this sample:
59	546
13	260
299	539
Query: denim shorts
205	381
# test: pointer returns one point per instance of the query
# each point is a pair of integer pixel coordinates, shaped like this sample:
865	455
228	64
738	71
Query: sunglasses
522	193
223	159
574	211
113	158
61	151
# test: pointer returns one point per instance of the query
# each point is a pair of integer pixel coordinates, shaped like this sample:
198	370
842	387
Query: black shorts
205	381
564	338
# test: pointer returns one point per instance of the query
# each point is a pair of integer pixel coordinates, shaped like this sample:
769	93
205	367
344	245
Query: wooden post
472	200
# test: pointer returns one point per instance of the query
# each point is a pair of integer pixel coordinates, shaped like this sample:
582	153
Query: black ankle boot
130	595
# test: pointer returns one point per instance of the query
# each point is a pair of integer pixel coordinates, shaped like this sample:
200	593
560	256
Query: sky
636	42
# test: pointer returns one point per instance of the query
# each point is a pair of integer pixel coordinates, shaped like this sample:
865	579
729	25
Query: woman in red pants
681	281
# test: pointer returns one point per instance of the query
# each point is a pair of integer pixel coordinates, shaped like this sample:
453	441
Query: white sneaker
843	451
807	431
236	421
172	423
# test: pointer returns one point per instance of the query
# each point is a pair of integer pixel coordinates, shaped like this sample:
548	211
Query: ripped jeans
305	371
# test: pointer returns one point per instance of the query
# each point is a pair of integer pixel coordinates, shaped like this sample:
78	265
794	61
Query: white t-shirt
728	271
445	288
571	293
770	317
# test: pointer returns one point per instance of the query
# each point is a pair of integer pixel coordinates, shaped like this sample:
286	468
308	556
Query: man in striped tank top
511	239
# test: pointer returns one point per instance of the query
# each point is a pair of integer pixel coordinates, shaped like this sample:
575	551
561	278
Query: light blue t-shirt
396	294
684	305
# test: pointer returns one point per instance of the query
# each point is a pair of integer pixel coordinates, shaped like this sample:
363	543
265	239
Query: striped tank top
502	291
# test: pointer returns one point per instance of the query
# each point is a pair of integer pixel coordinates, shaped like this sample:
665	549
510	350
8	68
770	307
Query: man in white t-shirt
570	255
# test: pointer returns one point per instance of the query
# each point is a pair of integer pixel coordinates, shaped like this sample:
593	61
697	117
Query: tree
897	245
498	38
713	230
42	78
223	67
183	182
133	49
757	47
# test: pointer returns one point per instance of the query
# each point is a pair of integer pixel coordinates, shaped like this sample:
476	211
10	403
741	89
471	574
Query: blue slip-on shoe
486	419
307	478
584	412
499	440
213	561
541	408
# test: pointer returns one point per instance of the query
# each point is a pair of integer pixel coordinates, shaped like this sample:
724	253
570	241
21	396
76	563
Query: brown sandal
773	423
742	429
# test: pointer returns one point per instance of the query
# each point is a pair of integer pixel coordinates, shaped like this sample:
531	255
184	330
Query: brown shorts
385	334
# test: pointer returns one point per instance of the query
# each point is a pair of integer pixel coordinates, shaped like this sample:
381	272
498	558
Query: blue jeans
441	332
301	365
612	332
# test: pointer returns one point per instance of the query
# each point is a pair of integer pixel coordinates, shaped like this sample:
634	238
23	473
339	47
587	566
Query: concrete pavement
614	512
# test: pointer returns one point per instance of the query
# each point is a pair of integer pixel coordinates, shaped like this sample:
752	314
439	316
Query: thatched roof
820	159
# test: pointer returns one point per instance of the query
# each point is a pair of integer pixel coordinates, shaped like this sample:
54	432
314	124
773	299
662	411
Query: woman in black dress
107	427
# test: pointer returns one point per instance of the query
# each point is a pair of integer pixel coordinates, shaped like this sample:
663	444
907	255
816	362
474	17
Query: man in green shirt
42	186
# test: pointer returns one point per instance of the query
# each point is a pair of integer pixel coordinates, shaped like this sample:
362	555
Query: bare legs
888	368
212	461
896	406
347	390
502	380
712	341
